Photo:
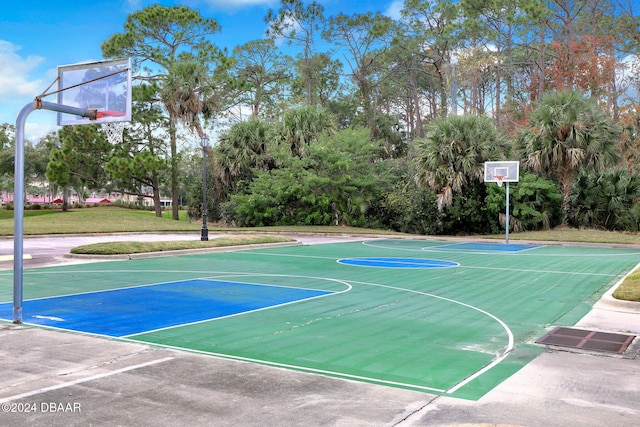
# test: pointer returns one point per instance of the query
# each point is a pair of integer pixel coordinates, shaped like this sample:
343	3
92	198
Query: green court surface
450	319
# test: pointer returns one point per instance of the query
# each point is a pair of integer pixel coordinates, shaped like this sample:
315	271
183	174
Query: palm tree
566	132
451	156
302	126
605	199
159	39
242	147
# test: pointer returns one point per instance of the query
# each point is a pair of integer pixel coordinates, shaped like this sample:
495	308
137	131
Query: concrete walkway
64	379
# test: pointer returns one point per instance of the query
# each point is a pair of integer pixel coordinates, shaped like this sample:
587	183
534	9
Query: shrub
535	203
606	200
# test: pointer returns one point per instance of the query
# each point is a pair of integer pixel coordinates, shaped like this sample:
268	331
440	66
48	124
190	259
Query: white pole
18	212
18	193
507	219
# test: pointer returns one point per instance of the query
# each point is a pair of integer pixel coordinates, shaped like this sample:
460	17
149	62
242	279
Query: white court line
611	251
213	319
577	273
499	357
510	338
83	380
10	257
385	262
149	285
508	349
297	367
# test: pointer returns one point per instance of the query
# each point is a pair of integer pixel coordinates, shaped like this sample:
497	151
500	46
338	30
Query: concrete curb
181	252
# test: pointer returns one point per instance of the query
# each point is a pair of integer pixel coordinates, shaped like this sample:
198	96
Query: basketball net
499	179
115	129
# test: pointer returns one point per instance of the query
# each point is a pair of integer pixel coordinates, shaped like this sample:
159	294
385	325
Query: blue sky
36	36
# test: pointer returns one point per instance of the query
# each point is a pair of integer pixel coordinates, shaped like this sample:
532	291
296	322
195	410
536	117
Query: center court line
84	380
460	266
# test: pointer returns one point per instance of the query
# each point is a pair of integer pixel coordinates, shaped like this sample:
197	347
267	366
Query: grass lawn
629	290
121	220
116	248
93	220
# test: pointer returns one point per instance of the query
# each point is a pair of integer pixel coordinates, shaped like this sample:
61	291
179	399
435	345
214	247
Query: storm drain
587	340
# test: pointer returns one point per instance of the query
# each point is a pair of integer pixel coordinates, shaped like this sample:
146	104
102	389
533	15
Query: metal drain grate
587	340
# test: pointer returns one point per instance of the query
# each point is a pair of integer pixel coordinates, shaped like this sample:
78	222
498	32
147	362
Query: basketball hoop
113	129
500	172
83	89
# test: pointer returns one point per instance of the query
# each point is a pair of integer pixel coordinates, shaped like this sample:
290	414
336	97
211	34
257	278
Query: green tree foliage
335	184
299	25
245	147
534	203
565	133
408	92
79	160
606	200
407	207
191	184
172	44
141	159
435	26
451	157
327	83
36	158
7	148
302	126
469	213
484	57
264	72
363	38
450	162
7	135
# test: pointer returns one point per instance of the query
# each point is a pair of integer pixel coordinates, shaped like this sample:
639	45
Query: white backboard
505	171
104	86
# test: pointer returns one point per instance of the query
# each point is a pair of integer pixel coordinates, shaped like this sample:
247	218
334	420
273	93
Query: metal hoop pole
18	193
507	218
204	232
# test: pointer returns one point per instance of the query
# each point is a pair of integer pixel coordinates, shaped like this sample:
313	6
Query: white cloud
17	88
240	3
289	26
14	72
236	4
40	123
627	79
393	11
132	4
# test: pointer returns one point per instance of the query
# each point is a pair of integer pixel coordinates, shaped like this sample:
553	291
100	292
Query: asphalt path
59	378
